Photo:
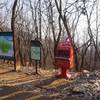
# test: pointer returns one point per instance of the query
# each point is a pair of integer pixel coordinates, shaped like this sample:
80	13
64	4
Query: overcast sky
82	25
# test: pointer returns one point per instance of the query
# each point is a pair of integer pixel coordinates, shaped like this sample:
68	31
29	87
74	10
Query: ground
45	86
27	86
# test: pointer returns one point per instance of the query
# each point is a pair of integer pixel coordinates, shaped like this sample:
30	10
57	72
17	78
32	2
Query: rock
78	89
86	85
72	75
1	89
85	71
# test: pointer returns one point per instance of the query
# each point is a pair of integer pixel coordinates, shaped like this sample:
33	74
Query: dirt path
45	86
21	86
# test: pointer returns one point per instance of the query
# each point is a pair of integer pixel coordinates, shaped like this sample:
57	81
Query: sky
81	27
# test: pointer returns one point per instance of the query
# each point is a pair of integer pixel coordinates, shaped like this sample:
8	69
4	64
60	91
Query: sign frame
8	57
36	43
36	46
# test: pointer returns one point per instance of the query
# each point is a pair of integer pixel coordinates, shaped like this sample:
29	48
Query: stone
78	89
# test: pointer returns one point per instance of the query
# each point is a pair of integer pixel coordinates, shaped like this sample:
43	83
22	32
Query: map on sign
35	53
6	46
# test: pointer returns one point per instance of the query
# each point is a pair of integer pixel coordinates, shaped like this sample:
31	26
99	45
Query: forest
52	22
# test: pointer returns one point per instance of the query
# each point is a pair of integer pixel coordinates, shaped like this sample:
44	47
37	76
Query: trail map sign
6	46
35	53
35	50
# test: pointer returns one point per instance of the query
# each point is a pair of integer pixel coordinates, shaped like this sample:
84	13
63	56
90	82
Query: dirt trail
45	86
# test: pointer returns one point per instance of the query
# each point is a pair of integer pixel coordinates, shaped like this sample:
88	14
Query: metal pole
36	67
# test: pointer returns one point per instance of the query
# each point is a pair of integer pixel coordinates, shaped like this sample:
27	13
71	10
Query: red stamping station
64	58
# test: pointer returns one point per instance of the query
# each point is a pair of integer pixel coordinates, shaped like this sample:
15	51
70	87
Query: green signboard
35	53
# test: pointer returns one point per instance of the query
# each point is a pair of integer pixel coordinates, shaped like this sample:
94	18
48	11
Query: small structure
7	47
64	58
36	51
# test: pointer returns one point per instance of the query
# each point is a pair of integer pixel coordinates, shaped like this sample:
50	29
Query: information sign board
35	50
6	46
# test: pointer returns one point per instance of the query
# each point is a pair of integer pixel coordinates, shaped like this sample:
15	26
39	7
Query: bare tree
16	40
66	25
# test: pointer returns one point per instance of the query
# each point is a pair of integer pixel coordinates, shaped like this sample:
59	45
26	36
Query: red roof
64	45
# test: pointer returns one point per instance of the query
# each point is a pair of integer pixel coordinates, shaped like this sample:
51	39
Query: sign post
36	52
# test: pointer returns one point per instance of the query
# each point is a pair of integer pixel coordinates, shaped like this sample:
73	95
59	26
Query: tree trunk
16	45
